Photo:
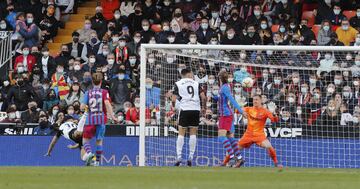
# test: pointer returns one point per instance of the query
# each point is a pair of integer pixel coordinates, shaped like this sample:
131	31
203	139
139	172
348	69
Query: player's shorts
76	140
189	118
91	130
227	123
246	141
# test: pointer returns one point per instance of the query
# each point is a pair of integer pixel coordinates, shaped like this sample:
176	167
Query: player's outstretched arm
52	145
75	146
109	109
227	93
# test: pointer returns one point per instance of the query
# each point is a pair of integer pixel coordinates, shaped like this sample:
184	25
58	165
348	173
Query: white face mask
214	15
3	26
357	62
136	40
327	56
145	28
20	69
331	90
346	94
211	81
326	28
337	12
257	13
277	82
151	60
137	105
215	92
242	56
115	39
117	16
204	26
230	35
166	28
298	112
77	67
170	60
337	81
122	43
357	40
230	80
304	90
222	28
263	26
356	83
312	81
111	61
345	27
291	100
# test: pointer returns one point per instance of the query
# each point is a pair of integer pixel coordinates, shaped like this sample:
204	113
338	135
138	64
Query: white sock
81	123
179	146
192	146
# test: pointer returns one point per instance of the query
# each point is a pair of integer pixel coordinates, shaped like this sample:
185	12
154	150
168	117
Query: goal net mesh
316	94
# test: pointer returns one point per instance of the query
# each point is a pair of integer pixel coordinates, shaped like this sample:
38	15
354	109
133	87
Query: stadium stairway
76	21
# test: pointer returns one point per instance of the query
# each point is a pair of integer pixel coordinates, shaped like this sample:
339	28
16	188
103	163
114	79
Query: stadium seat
309	15
315	29
349	14
309	7
275	28
156	27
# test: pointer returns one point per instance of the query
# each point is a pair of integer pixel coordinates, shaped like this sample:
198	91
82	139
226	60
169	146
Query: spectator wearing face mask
11	16
58	82
85	32
225	9
204	33
135	19
48	24
236	22
346	33
13	116
152	94
21	94
257	17
287	119
324	34
146	32
231	38
31	33
119	20
120	89
336	17
93	45
31	114
44	127
98	22
86	83
4	26
133	113
349	98
77	49
329	119
46	64
28	61
326	63
50	100
53	113
75	94
162	36
121	51
252	37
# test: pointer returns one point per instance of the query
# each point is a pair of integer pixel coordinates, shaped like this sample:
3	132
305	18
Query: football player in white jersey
189	96
71	131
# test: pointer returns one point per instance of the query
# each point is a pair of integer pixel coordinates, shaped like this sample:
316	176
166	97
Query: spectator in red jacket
133	114
26	59
109	6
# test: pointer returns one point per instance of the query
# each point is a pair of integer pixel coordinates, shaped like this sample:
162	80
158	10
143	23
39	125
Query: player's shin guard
272	154
192	146
179	146
235	147
227	145
99	152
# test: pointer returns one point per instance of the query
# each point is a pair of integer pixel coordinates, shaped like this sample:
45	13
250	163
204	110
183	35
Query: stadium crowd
41	88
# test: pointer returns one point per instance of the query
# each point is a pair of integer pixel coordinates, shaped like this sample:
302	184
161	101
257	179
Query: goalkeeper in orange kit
254	134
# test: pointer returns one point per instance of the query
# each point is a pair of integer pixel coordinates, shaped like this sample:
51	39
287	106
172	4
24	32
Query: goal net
314	89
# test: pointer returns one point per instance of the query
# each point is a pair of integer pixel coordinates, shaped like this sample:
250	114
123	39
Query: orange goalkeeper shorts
247	141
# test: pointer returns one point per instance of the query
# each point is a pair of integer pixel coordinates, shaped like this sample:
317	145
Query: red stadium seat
315	29
156	27
309	7
349	14
309	15
275	28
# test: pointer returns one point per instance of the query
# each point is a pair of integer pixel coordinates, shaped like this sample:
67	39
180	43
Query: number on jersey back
95	100
188	92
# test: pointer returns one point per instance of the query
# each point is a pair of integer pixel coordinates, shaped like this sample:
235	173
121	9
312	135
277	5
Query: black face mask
178	15
43	124
20	82
99	15
234	15
76	107
111	28
76	40
65	53
33	109
137	11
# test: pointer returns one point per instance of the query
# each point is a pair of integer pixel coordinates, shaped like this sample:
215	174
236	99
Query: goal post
316	90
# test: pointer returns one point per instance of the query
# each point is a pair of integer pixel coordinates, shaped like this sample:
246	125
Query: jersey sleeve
227	93
106	96
271	116
85	100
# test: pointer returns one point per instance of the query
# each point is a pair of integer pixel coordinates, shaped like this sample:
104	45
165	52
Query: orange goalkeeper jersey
256	120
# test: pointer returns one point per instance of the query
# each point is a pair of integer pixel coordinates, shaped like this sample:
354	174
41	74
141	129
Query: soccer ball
247	82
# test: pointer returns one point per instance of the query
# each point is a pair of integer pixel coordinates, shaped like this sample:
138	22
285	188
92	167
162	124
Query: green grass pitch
176	178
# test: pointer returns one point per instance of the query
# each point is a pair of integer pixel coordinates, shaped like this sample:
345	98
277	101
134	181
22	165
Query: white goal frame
143	59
